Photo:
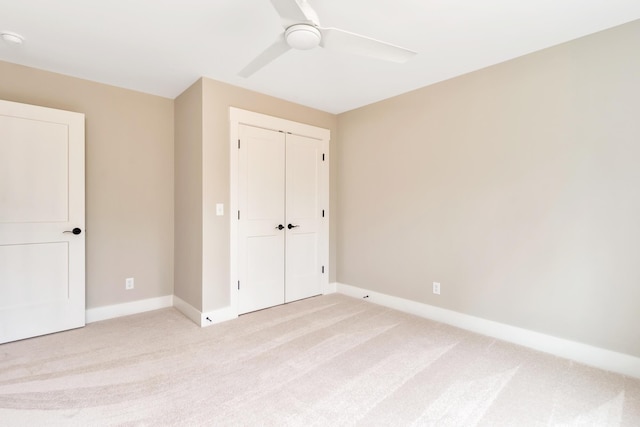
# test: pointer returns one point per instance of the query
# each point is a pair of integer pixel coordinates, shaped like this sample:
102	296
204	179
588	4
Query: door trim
237	117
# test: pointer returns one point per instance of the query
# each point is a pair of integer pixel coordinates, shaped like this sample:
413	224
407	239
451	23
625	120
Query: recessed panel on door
23	285
33	171
265	278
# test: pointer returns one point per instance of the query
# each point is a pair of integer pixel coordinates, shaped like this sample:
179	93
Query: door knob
74	231
292	226
280	227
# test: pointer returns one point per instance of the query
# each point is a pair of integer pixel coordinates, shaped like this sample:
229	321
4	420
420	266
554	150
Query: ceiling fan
303	31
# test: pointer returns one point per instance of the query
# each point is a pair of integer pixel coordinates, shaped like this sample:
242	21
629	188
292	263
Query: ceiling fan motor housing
303	36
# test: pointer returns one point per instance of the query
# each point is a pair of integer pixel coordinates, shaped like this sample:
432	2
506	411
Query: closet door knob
74	231
292	226
280	227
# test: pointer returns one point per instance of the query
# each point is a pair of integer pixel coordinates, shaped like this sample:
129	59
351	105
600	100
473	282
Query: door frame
237	117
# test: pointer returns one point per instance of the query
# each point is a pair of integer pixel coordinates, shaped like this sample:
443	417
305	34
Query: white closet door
304	214
261	206
42	263
279	185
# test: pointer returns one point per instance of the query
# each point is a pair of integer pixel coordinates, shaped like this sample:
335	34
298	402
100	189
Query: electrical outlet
436	288
128	283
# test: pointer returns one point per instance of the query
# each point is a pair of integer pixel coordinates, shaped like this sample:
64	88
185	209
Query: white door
42	261
303	218
261	207
279	184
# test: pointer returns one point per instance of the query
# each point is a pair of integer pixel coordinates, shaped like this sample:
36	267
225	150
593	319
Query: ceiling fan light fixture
11	37
303	36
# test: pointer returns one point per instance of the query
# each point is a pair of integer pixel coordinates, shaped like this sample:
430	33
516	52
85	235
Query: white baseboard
589	355
126	309
219	315
331	288
204	319
187	309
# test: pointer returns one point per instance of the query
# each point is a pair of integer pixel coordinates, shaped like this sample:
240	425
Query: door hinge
238	144
238	284
322	213
323	269
323	157
238	215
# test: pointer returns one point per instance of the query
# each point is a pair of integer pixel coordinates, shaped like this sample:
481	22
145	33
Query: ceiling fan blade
278	48
341	40
295	12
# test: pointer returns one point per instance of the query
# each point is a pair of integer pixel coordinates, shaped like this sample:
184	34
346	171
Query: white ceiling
162	46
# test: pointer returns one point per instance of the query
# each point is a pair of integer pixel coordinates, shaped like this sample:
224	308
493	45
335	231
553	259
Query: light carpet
330	360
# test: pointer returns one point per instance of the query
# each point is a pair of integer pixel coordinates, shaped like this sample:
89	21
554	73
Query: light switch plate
219	209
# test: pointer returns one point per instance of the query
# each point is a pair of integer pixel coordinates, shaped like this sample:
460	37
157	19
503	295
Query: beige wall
517	187
129	179
217	98
188	196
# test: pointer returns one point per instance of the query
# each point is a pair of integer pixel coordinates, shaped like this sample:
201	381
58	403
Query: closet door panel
303	213
261	254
